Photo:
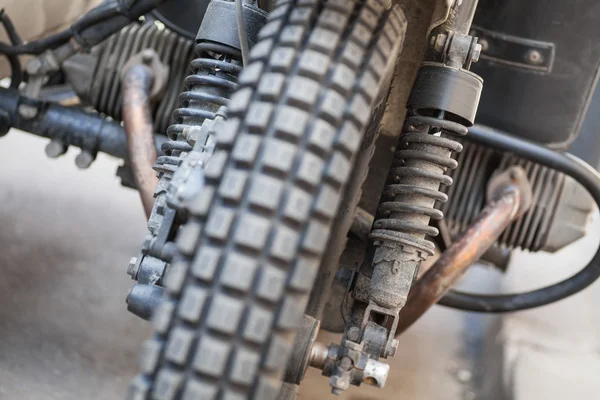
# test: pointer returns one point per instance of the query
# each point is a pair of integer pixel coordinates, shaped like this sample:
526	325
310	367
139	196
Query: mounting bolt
485	45
534	57
84	159
132	268
345	364
34	66
340	383
353	334
56	148
476	52
148	56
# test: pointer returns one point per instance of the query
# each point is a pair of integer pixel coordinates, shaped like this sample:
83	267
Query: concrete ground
553	352
67	236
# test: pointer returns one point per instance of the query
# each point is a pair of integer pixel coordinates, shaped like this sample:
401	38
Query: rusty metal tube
137	118
476	240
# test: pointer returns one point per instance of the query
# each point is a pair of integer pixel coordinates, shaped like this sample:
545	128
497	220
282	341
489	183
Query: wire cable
16	76
565	163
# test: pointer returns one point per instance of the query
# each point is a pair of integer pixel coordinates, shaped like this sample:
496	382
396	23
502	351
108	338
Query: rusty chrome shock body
442	105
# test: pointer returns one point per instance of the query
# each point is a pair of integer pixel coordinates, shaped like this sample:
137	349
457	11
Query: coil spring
208	88
413	186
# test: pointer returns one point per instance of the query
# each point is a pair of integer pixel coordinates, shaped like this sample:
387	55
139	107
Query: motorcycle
290	192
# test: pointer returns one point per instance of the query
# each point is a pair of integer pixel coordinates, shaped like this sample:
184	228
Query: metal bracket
348	364
516	52
37	69
379	342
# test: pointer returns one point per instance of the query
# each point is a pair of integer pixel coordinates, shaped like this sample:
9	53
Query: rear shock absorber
208	89
442	105
214	77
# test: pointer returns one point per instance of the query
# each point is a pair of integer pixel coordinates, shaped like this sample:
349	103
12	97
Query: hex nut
132	268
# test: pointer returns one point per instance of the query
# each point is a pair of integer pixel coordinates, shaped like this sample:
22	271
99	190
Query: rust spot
370	381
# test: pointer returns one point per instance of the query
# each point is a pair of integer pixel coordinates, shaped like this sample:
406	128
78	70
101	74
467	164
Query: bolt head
338	384
84	160
131	268
353	334
485	45
34	66
476	52
534	57
148	56
55	149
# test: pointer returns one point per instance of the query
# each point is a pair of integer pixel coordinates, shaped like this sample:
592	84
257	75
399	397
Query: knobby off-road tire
247	256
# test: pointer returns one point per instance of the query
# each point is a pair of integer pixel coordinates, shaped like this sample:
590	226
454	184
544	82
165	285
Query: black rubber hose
565	163
9	27
72	126
16	75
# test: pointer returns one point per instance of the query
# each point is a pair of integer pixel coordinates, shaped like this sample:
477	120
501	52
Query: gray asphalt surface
66	236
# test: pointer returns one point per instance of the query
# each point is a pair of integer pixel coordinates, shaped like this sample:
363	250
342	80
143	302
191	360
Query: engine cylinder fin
553	199
176	52
464	184
477	164
516	229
